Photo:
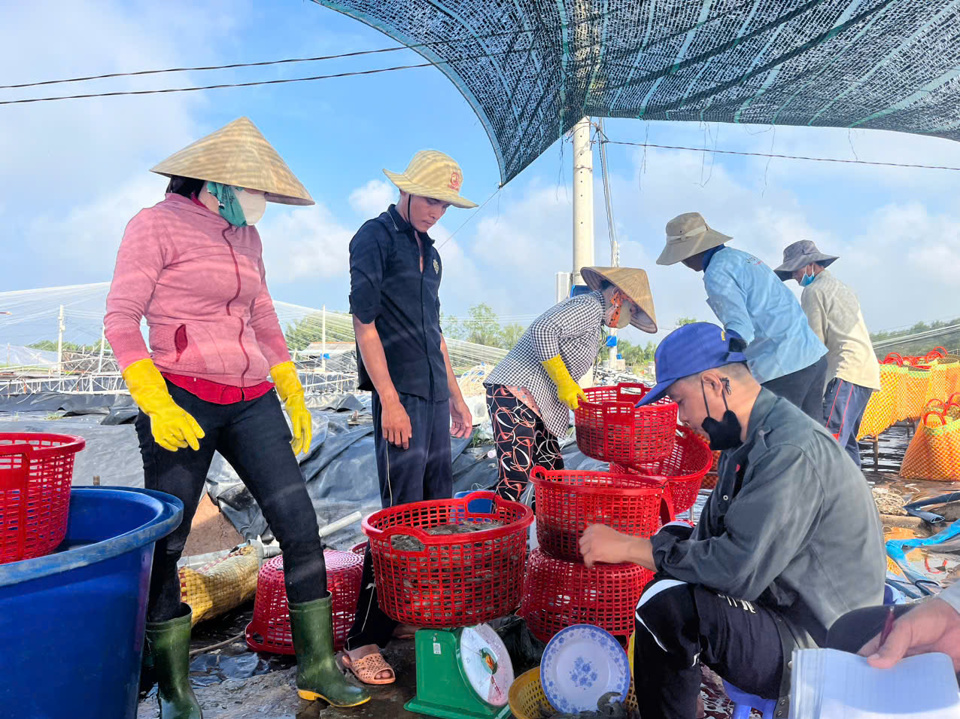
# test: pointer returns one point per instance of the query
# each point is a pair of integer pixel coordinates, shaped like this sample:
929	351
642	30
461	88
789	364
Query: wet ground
233	682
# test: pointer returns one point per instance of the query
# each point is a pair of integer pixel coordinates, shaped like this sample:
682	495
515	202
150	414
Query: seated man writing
789	540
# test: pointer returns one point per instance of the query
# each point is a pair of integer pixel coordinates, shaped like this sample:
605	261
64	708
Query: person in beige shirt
833	311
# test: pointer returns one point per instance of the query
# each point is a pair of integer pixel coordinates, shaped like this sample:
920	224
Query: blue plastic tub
71	623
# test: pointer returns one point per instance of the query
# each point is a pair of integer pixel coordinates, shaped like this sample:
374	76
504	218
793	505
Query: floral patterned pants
522	440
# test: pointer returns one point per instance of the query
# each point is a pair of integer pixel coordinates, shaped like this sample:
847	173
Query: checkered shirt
571	329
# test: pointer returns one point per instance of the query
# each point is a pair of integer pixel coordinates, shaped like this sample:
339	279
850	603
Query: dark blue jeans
421	472
843	407
254	438
424	470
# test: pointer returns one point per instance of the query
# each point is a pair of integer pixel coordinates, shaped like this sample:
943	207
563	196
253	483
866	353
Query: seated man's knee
665	613
854	629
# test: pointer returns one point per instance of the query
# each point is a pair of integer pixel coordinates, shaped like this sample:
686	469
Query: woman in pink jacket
192	266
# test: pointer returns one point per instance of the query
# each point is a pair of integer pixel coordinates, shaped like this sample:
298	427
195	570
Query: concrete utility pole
582	199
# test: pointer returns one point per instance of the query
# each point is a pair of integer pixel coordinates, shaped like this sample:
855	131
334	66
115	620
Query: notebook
830	684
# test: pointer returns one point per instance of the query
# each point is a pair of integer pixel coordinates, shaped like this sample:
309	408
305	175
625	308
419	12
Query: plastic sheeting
532	68
340	471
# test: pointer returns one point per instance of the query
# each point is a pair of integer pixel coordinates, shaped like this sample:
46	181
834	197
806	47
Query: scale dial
486	664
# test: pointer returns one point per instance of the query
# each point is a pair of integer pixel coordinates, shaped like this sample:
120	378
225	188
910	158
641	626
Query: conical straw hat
432	174
238	155
633	283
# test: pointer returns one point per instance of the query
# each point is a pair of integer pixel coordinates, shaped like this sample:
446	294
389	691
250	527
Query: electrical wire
120	93
472	215
320	58
782	157
231	66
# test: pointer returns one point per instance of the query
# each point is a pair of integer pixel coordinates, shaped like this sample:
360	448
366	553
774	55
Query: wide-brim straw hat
432	174
633	283
239	155
688	235
799	255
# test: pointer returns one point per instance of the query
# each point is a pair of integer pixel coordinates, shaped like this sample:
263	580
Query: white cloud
77	170
86	238
303	243
373	198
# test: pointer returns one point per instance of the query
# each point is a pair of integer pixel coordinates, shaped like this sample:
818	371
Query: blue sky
74	172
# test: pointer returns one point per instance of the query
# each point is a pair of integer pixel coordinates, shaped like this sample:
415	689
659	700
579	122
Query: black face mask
724	433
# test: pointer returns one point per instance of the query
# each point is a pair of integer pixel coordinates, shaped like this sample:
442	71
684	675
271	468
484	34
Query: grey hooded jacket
792	526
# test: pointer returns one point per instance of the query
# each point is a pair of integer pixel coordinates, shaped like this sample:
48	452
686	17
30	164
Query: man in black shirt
395	274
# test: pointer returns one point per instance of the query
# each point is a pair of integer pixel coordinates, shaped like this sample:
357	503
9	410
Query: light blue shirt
749	299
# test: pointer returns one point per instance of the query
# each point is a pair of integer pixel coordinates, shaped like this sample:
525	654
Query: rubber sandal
367	668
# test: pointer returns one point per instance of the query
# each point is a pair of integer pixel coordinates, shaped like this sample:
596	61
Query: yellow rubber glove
568	391
172	427
291	392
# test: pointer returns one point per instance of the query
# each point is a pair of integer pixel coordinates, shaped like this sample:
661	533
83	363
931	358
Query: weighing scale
462	673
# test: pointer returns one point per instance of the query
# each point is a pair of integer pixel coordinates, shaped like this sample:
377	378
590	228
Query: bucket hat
239	155
432	174
633	283
799	255
688	235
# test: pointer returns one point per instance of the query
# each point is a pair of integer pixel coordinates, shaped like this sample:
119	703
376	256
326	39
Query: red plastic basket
558	594
610	426
568	501
682	472
454	580
36	471
269	630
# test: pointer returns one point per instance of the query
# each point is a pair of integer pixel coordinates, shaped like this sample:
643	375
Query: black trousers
854	629
421	472
804	388
254	438
681	626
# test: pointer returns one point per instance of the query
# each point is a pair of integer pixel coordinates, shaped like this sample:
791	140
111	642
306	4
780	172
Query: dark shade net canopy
532	68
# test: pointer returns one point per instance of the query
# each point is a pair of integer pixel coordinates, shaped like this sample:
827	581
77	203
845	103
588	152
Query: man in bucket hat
783	353
788	542
833	311
395	274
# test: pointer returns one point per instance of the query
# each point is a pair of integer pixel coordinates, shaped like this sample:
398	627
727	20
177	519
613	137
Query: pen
887	627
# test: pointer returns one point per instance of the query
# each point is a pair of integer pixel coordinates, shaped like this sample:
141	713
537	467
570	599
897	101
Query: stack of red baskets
559	590
269	630
36	471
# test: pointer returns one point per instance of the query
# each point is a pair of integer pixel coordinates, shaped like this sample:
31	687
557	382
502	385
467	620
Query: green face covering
230	208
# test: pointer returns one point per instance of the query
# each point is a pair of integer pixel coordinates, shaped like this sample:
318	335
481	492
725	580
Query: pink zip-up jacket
200	283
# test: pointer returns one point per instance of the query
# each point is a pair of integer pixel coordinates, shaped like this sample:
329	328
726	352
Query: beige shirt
833	312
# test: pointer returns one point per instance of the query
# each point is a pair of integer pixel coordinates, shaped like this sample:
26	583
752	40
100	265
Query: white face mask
253	204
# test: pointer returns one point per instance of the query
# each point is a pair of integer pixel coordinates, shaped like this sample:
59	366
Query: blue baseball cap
692	349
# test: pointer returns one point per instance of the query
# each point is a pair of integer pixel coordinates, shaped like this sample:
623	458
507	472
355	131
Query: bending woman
192	266
530	393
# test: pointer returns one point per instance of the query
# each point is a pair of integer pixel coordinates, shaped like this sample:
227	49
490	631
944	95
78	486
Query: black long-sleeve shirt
388	287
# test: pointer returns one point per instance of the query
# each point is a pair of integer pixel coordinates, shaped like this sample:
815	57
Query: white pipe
339	524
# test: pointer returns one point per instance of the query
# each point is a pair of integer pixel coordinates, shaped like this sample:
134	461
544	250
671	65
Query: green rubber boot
167	655
318	676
